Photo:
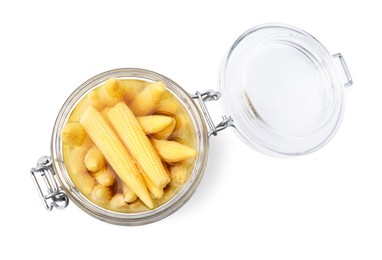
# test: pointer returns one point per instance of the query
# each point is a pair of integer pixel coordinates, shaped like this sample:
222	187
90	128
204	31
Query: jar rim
161	211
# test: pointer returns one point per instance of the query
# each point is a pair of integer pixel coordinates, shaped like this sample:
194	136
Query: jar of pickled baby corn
130	146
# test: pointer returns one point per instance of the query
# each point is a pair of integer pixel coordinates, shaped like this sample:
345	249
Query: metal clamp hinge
51	194
206	96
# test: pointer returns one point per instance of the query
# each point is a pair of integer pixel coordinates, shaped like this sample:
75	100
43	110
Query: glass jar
282	93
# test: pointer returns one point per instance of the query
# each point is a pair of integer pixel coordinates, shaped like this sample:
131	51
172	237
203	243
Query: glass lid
283	90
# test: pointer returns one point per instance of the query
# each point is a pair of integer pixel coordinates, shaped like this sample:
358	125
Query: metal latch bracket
51	194
204	97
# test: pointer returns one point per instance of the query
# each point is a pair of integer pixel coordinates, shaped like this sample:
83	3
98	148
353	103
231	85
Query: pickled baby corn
91	99
155	123
167	131
83	181
106	95
171	151
94	159
73	134
136	141
117	156
118	202
145	102
166	107
128	194
102	194
80	176
95	99
179	174
105	116
155	191
76	159
114	88
132	88
105	176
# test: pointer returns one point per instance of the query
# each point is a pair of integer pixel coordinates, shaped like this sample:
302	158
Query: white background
326	205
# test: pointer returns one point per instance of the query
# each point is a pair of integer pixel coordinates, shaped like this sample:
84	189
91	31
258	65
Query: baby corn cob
95	99
114	89
76	159
155	123
166	107
104	115
73	134
167	131
132	88
104	95
105	176
117	156
182	122
179	174
145	102
128	194
77	170
136	141
118	202
171	151
83	182
83	104
155	191
101	194
94	159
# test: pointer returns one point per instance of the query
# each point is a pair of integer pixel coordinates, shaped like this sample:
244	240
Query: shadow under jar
282	93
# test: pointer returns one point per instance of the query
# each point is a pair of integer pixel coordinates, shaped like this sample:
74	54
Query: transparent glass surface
130	218
282	89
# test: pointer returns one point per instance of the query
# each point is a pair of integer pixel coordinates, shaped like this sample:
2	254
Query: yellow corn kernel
145	102
155	123
171	151
128	195
114	89
115	153
166	107
155	191
101	194
118	202
180	174
73	134
167	131
139	145
105	176
94	159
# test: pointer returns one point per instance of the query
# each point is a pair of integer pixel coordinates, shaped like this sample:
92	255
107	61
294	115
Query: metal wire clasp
206	96
51	195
